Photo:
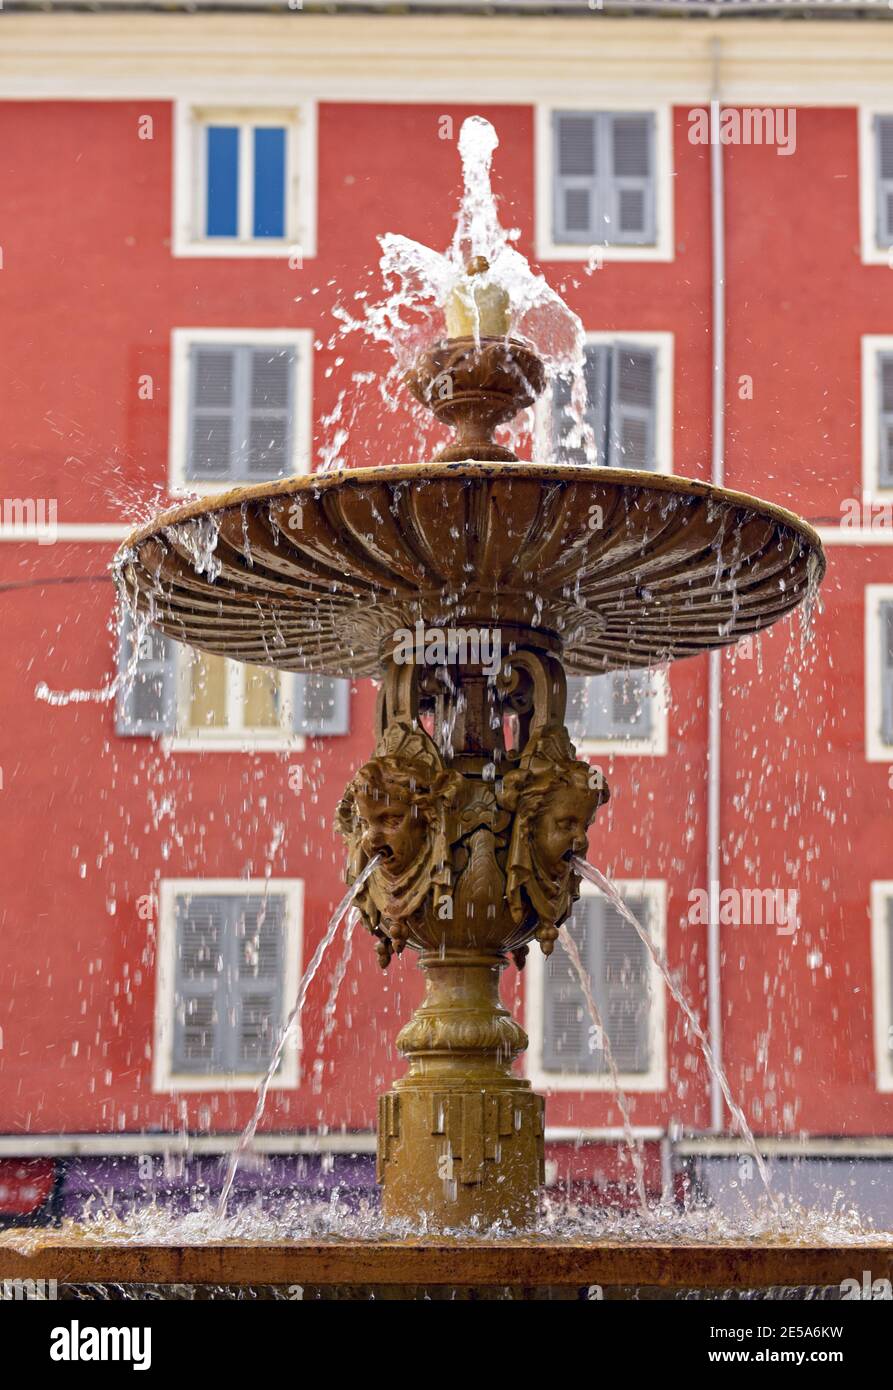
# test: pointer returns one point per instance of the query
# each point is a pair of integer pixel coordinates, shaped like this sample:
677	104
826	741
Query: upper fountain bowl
623	569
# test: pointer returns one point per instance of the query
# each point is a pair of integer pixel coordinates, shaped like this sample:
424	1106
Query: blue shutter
269	181
628	143
883	135
887	672
633	408
885	418
230	971
595	374
320	705
222	164
146	704
617	705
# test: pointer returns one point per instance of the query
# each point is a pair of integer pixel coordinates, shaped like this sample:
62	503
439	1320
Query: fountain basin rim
443	1260
672	483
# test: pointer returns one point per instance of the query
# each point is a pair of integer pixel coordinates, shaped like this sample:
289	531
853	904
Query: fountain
470	586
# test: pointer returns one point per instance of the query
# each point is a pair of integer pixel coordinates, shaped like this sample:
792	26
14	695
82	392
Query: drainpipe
714	699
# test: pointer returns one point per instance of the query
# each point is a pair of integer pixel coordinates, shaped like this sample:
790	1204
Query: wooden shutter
228	1006
241	422
622	979
146	704
213	413
883	132
886	613
595	375
614	706
270	411
200	1003
576	211
633	407
885	418
617	963
268	213
628	143
566	1021
259	941
320	705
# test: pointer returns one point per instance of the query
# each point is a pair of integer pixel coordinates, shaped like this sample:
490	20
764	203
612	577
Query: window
229	963
879	672
604	184
877	417
620	712
567	1052
621	392
202	701
245	181
882	973
241	407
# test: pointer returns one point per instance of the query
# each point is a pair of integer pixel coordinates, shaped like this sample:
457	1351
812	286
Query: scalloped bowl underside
316	573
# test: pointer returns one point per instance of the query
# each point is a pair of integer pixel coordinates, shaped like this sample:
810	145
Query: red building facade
113	287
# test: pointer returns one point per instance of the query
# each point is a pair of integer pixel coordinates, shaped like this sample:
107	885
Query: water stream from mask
291	1023
635	1150
598	879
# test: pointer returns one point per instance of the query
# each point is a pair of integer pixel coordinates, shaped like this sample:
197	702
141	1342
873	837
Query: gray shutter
595	374
566	1021
270	412
628	144
633	410
257	1014
320	705
228	1005
577	216
887	672
883	133
214	425
885	418
614	706
890	976
147	703
200	980
622	985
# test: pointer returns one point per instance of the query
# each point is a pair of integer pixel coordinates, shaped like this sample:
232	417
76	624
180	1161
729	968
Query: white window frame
164	1079
190	120
547	249
664	345
655	746
233	737
655	1079
872	253
875	750
881	896
873	344
182	339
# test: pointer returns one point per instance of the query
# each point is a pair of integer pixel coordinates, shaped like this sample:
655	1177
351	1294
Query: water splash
594	876
291	1023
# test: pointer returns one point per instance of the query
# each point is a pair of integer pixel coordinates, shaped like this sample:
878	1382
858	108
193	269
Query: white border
548	250
655	1079
881	893
301	339
664	343
164	1079
872	344
189	117
875	750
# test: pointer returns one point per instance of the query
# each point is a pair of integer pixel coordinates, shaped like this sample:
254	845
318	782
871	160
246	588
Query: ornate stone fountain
469	586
